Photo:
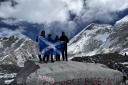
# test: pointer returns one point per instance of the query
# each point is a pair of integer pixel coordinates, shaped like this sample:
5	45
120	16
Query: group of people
58	47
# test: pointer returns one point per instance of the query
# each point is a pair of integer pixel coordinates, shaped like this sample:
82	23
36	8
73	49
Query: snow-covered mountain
117	41
16	50
97	38
94	39
88	41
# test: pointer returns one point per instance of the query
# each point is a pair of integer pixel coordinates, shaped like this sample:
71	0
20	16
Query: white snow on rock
17	50
74	73
7	82
89	40
12	75
123	20
99	39
125	51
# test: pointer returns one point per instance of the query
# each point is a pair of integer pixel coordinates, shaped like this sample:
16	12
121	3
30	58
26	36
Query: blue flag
46	47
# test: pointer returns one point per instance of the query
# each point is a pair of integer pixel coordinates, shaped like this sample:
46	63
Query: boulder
74	73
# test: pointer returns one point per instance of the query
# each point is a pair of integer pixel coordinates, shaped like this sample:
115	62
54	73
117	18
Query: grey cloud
40	11
5	32
55	13
102	10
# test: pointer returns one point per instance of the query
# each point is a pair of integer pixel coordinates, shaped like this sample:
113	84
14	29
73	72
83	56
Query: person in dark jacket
42	34
64	39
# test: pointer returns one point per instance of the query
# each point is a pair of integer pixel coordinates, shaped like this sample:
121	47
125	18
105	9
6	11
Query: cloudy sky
67	15
41	10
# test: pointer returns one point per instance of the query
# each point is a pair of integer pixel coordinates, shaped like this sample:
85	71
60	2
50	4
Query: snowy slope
88	41
74	73
122	21
15	50
117	41
97	39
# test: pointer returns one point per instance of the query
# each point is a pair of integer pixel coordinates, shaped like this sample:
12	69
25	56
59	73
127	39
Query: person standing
42	34
57	51
64	39
50	51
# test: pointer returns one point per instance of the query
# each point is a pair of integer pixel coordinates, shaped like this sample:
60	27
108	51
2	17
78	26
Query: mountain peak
98	39
15	50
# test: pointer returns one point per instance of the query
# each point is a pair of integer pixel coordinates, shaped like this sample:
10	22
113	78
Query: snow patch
8	81
102	37
123	20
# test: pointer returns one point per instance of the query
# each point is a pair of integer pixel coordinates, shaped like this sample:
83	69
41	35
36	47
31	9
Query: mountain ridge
100	38
16	50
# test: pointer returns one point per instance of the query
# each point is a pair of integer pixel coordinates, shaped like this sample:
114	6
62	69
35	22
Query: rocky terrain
14	50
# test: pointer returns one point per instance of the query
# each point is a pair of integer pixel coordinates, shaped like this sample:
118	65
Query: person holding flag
41	45
50	50
58	48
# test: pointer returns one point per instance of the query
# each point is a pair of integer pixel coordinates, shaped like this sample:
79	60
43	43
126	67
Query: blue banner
46	47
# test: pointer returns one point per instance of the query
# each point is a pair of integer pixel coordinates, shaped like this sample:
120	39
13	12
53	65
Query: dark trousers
52	58
64	54
46	58
40	59
57	57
